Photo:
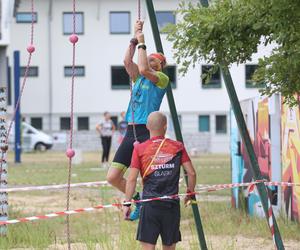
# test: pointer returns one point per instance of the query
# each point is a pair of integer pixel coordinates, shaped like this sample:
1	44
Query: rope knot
30	49
73	38
70	153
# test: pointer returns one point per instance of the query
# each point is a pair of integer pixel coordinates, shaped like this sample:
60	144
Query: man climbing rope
147	93
158	160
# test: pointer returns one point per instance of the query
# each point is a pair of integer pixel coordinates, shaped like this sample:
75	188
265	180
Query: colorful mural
236	159
260	139
258	119
290	146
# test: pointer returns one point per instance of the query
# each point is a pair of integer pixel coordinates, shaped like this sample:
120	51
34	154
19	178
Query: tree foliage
230	31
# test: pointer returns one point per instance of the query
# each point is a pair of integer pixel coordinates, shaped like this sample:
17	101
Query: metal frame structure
242	128
174	115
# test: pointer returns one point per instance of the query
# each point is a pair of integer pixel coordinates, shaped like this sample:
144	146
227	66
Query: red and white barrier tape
271	222
216	187
58	186
200	190
250	189
207	187
80	210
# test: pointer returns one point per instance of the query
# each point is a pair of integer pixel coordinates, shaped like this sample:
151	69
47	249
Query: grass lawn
225	228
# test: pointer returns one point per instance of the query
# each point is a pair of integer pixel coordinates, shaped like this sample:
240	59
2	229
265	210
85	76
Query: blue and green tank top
146	98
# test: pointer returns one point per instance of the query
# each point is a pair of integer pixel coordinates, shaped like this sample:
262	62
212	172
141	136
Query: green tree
230	31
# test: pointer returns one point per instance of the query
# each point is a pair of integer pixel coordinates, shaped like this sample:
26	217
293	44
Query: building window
119	22
65	123
249	71
26	17
221	124
119	78
78	71
214	81
83	123
204	124
37	122
164	18
171	72
33	71
9	85
68	23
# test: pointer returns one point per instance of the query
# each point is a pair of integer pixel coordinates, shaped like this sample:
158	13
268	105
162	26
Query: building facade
105	28
6	13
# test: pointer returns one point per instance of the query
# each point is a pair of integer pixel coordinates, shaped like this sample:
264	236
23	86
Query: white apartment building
105	28
6	13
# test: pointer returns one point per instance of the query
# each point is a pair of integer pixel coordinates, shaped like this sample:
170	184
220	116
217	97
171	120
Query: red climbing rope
70	152
139	10
132	48
30	50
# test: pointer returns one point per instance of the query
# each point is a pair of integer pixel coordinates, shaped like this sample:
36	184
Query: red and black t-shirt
162	176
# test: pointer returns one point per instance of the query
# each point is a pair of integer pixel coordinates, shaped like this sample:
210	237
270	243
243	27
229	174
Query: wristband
127	205
134	41
192	196
142	46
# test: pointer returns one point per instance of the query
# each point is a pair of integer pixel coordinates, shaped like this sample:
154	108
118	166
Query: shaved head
157	121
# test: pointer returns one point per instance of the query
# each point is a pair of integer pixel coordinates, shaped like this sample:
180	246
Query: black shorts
159	218
123	155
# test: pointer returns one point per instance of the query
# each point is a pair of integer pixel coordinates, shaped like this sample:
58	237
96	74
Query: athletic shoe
135	214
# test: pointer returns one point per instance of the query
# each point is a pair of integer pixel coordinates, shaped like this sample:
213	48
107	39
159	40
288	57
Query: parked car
32	138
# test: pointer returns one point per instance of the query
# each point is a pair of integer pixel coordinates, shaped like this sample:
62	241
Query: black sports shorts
159	218
123	155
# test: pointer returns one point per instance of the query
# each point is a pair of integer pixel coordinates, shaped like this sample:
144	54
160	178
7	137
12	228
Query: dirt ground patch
241	242
214	243
55	201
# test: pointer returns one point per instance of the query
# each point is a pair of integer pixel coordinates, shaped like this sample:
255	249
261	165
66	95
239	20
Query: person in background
158	161
106	130
122	127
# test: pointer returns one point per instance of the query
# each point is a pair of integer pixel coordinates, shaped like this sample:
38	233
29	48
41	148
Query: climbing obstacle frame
258	180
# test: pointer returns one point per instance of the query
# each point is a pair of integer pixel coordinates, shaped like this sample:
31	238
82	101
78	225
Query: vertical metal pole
249	147
3	169
17	117
250	151
174	115
8	86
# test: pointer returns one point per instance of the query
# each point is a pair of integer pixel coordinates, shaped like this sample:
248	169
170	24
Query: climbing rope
30	50
139	10
132	48
70	152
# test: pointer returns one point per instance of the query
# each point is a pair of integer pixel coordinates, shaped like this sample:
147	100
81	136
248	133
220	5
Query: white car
32	139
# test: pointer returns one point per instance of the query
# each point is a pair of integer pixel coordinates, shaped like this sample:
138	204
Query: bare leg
172	247
116	178
147	246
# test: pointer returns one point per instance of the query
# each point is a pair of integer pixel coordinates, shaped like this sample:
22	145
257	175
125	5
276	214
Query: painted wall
263	127
275	131
290	141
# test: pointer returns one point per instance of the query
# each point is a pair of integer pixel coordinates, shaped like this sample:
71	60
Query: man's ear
147	127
